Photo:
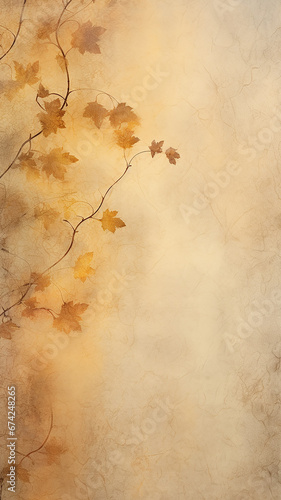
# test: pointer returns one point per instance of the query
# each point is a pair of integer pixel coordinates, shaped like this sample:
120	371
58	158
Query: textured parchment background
172	391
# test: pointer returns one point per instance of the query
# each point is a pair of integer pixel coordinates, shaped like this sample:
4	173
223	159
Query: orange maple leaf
122	114
156	147
69	317
41	281
52	119
110	222
28	164
82	268
6	330
47	214
42	92
125	138
86	38
54	163
97	112
30	307
24	76
47	27
172	155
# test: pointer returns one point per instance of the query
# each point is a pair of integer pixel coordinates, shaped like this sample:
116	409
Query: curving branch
17	33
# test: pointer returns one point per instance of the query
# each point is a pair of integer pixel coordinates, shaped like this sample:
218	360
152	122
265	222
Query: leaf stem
17	33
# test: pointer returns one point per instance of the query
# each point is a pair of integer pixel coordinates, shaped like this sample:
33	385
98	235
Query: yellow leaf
125	138
26	76
28	164
110	222
52	119
47	214
123	114
42	281
54	163
82	268
69	317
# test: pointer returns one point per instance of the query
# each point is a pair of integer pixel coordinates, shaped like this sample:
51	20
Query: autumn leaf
69	317
156	147
42	281
48	26
122	114
6	330
54	163
47	214
62	62
30	307
54	450
28	164
125	138
172	155
26	76
82	268
52	119
42	92
110	222
86	38
97	112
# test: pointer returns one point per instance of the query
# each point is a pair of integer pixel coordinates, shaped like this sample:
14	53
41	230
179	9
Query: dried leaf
30	307
47	27
52	119
86	38
82	268
6	330
42	281
47	214
28	164
172	155
42	92
26	76
156	147
54	163
110	222
54	449
125	138
122	114
97	112
70	317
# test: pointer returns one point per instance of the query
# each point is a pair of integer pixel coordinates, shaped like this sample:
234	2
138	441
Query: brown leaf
54	163
172	155
6	330
48	26
30	307
42	92
82	268
26	76
52	119
69	317
47	214
42	281
23	474
125	138
156	147
122	114
28	164
97	112
86	38
54	449
110	222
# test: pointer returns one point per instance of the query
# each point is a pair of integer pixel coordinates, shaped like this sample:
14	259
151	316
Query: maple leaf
86	38
82	268
110	222
122	114
6	330
69	317
156	147
47	214
47	27
52	119
28	164
97	112
125	138
26	76
30	307
172	155
41	281
42	92
54	163
54	449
